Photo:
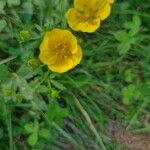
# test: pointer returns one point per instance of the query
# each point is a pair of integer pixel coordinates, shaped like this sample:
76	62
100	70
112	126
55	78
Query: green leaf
25	72
2	4
128	25
133	26
25	89
1	133
32	139
136	28
44	133
27	6
82	80
58	85
129	75
3	24
40	3
58	121
129	93
63	112
13	2
52	110
29	128
4	74
124	48
121	36
137	20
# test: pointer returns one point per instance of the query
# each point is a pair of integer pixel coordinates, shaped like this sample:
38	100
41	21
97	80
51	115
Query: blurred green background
102	104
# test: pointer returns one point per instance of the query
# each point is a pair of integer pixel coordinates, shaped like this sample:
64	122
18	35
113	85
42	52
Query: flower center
62	51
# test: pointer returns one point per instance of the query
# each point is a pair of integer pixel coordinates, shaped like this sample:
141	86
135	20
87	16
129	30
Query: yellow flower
86	15
59	50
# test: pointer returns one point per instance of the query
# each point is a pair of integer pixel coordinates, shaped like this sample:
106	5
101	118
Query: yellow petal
110	1
77	57
48	58
70	41
49	41
82	5
105	11
61	66
47	55
73	19
90	26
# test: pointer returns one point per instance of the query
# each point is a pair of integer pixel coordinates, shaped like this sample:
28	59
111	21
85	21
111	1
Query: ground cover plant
98	95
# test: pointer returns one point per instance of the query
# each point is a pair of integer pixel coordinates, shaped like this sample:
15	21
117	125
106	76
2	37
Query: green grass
43	110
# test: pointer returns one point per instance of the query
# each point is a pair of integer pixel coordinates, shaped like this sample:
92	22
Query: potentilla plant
43	47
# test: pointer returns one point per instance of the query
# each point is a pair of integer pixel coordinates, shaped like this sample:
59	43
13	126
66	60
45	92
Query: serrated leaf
24	87
121	36
3	24
25	72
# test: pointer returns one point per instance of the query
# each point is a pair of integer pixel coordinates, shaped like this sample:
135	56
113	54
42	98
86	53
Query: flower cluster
86	15
59	49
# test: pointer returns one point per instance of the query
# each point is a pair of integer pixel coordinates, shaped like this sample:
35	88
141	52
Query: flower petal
61	66
77	57
90	26
110	1
82	5
49	41
70	41
73	19
48	58
105	11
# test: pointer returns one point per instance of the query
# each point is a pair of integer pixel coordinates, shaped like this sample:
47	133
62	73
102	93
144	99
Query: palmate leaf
25	89
133	26
121	36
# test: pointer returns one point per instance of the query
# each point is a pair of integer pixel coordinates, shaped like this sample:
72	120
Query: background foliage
81	108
